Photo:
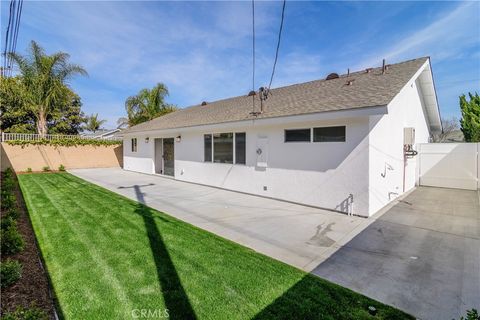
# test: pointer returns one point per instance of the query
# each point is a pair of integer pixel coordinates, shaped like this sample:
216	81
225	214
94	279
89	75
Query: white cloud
445	38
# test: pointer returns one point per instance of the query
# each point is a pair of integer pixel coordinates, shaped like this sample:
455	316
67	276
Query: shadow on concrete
176	299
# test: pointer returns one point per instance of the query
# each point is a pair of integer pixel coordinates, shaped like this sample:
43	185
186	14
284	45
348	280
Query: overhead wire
17	25
11	35
253	56
7	39
278	45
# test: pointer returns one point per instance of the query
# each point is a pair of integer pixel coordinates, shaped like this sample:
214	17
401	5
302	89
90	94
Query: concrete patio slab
422	255
298	235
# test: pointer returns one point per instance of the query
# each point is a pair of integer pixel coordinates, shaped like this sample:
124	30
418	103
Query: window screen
207	147
223	148
329	134
297	135
240	147
134	144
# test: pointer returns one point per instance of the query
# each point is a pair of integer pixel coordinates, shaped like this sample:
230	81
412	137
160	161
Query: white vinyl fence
5	136
449	165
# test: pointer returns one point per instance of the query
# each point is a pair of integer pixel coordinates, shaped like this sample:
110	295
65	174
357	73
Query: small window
207	147
134	144
329	134
223	148
297	135
240	147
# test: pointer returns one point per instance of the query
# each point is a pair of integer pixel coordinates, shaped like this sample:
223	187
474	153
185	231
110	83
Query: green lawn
108	256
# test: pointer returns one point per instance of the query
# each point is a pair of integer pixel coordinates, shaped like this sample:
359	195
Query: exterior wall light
178	138
147	139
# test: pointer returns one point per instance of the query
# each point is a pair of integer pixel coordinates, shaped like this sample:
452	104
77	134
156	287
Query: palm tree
92	123
45	79
147	105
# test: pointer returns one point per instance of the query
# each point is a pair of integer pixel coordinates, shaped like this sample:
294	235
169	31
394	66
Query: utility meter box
409	136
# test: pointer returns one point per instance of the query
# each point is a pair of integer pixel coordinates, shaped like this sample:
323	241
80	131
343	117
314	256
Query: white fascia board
328	115
432	107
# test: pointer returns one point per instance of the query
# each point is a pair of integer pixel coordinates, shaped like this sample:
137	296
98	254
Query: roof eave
315	116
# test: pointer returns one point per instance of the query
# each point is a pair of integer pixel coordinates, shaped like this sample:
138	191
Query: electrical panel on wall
409	136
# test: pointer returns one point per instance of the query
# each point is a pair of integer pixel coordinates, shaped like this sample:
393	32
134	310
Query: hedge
64	142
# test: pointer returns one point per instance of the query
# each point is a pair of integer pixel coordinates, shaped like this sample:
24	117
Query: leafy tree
68	118
44	78
470	122
16	116
93	124
147	105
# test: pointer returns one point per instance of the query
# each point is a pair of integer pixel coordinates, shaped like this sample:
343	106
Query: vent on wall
332	75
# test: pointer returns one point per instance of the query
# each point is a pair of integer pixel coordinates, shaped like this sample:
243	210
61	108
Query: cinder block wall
37	157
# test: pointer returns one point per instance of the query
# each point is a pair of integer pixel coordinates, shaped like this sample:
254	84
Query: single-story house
346	142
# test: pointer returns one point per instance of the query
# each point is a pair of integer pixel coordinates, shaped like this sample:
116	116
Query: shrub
29	170
12	213
46	168
8	173
64	142
8	185
32	313
471	315
11	240
10	272
6	222
8	201
61	168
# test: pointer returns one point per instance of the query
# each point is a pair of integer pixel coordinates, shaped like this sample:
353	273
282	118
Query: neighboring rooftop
100	133
368	89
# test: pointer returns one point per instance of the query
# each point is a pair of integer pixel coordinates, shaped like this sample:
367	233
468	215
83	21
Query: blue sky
202	50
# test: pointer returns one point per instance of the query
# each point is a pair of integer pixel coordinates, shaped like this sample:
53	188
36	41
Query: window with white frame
225	147
134	144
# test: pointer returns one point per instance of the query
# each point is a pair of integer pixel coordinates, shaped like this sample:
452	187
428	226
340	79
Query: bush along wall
64	142
11	241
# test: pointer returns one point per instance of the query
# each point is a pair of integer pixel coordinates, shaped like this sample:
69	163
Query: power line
17	26
278	44
16	30
7	38
11	36
253	55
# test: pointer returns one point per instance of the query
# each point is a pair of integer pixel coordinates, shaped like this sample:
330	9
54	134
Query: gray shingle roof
368	90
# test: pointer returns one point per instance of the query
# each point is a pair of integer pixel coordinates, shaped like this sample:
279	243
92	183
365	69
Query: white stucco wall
322	174
142	160
386	165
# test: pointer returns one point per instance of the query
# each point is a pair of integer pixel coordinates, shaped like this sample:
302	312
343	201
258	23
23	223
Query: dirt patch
33	286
